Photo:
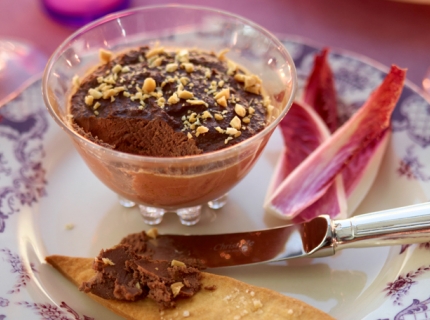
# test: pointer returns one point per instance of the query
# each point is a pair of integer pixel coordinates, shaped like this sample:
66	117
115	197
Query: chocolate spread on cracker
162	103
142	267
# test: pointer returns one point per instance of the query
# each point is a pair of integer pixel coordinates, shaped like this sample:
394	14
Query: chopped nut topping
117	68
149	85
220	83
176	288
185	94
251	110
173	98
76	81
184	80
105	55
189	67
161	102
108	93
193	117
89	100
154	52
218	117
200	130
108	261
95	93
266	101
222	53
177	263
208	73
206	114
171	67
189	135
227	140
252	84
125	69
239	77
223	93
137	285
96	105
231	131
152	233
222	101
220	130
246	120
156	63
182	55
232	67
240	110
197	102
236	123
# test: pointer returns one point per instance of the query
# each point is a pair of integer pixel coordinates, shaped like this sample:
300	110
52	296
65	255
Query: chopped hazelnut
206	114
184	80
239	77
152	233
236	123
200	130
154	52
171	67
223	93
232	67
246	120
156	62
189	67
185	94
222	53
240	110
96	105
105	55
177	263
176	288
125	69
231	131
89	100
95	93
197	102
189	135
173	98
251	110
222	101
218	117
149	85
219	129
117	68
108	261
76	81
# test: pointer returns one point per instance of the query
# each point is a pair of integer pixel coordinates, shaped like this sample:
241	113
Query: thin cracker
254	302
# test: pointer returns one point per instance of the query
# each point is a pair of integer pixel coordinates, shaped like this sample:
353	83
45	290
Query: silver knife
319	237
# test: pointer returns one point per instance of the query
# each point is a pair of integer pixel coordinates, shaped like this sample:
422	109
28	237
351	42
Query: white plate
45	187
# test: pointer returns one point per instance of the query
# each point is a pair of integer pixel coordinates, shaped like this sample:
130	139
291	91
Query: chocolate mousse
130	272
156	102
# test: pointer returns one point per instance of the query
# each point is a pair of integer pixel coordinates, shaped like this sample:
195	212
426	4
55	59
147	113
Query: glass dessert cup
172	184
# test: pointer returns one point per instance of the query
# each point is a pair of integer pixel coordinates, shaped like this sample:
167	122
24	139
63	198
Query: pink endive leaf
303	131
312	178
320	92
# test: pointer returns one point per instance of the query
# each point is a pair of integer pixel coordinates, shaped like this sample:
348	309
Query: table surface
390	32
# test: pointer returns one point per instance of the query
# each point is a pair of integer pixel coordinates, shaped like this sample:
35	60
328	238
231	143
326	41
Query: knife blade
319	237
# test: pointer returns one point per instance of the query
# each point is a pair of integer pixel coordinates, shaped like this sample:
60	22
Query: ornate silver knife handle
402	225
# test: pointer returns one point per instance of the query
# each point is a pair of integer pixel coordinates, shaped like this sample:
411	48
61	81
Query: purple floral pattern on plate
52	312
19	268
22	176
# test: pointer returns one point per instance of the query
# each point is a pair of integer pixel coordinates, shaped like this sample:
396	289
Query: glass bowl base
187	216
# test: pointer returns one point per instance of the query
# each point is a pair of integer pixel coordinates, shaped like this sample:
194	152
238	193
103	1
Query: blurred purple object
76	13
19	61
